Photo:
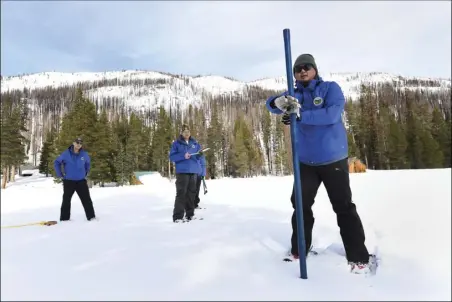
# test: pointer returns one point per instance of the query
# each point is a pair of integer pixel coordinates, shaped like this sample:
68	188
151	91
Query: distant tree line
390	126
406	129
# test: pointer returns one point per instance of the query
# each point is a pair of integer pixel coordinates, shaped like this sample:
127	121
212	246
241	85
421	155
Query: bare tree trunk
288	142
13	174
5	177
8	174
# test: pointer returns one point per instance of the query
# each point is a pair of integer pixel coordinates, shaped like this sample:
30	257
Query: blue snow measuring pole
295	162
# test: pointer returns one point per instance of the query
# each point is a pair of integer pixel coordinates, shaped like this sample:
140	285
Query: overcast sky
238	39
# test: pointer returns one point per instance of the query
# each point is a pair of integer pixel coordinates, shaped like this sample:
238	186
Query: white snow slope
135	252
186	89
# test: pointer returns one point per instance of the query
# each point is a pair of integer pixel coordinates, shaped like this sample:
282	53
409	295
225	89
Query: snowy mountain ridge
189	88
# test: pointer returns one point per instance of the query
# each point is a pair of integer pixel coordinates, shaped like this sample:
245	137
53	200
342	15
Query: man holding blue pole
323	157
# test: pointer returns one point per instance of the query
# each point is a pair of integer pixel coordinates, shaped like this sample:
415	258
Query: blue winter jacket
76	165
177	155
321	134
202	164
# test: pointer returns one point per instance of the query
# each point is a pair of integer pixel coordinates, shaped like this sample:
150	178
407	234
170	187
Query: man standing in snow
200	178
323	157
187	169
76	163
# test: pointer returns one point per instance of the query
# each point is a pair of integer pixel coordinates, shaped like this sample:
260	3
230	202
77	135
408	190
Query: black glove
286	119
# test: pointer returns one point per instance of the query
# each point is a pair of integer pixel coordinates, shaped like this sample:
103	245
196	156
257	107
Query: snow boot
194	217
365	268
359	268
291	257
295	257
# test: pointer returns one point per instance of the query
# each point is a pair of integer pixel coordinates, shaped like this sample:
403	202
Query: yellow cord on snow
46	223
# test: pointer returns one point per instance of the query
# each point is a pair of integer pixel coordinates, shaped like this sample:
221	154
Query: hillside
189	90
135	252
192	99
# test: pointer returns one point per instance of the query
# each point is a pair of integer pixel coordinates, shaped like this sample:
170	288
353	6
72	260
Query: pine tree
238	153
441	134
282	147
101	170
432	156
448	144
413	130
123	158
266	135
48	149
353	150
397	145
161	142
214	142
383	130
350	110
13	142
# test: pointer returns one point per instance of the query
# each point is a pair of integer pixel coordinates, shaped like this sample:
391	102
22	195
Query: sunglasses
78	142
305	67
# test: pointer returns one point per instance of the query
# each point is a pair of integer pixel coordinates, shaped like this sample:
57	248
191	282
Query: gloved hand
287	104
286	119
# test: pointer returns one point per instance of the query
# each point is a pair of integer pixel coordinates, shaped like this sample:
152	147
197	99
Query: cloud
234	38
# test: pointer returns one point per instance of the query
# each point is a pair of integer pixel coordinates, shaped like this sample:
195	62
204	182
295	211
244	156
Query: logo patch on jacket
82	158
318	101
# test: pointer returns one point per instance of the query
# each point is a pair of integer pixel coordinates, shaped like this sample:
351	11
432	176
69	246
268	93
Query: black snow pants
335	177
198	187
185	196
81	187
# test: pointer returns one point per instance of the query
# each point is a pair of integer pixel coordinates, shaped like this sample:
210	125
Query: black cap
78	140
185	127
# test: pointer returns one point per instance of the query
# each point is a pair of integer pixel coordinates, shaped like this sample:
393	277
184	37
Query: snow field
135	252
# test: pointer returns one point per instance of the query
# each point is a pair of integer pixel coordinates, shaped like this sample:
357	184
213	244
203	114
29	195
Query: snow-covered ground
135	252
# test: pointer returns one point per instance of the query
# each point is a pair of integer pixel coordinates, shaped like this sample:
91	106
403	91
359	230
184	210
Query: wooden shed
356	166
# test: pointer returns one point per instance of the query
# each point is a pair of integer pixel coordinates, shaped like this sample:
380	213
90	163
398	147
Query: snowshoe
295	257
291	257
364	268
188	219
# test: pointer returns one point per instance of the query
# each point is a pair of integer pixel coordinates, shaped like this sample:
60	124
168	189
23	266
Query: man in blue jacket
200	177
323	157
183	155
76	164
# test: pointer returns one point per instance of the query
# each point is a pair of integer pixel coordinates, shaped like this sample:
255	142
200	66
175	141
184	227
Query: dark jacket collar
71	150
311	86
